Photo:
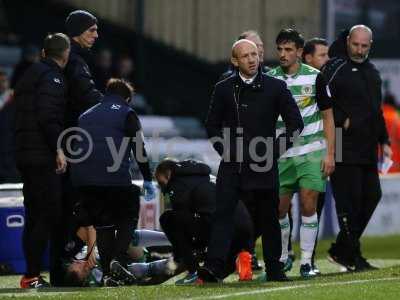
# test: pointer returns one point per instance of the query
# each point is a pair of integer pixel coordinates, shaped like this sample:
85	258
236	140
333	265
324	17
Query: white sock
285	233
308	234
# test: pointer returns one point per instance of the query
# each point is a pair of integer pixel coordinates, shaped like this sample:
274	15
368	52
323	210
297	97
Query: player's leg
288	185
308	229
311	182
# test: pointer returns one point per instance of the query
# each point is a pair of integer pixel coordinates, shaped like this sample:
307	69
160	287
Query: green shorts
302	171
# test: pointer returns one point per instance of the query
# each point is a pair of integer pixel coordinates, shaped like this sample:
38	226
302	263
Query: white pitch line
35	294
300	286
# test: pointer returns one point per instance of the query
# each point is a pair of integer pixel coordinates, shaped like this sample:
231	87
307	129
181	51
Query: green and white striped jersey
303	88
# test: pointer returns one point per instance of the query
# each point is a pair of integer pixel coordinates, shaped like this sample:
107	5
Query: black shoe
207	275
277	276
121	274
361	264
255	265
333	257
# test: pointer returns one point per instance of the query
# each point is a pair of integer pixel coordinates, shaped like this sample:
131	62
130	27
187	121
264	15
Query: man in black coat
40	99
355	86
241	124
81	27
192	196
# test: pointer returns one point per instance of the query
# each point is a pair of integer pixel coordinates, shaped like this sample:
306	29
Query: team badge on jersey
306	89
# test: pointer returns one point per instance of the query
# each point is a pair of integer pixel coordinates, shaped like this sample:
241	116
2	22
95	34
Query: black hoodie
190	188
356	94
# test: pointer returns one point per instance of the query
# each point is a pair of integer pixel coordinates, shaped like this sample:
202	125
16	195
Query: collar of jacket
52	64
114	98
257	84
77	49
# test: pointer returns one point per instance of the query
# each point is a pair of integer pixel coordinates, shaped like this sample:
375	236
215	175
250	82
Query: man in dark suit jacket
241	124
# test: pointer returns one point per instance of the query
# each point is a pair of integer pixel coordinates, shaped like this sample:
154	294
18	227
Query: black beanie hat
78	22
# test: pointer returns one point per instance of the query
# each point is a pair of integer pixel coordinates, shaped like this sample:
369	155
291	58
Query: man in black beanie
81	27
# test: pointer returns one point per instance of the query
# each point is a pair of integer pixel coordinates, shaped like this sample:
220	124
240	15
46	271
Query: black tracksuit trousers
42	201
357	191
114	211
263	206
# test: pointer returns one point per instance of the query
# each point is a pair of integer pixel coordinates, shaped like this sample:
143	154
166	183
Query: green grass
384	283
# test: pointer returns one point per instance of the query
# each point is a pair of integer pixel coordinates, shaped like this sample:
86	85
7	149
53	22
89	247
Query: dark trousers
114	211
189	233
42	201
66	228
263	205
357	192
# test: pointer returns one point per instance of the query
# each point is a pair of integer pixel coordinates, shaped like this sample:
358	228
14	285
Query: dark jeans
42	201
114	211
357	192
262	204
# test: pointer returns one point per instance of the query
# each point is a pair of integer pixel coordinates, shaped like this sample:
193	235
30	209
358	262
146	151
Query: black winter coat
356	94
244	114
190	189
40	109
82	92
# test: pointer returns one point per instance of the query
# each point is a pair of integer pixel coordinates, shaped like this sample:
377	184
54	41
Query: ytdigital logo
66	140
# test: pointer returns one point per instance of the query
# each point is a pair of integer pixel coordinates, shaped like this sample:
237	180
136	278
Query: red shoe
33	283
243	266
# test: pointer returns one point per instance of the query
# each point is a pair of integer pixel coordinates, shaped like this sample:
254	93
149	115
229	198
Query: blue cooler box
12	221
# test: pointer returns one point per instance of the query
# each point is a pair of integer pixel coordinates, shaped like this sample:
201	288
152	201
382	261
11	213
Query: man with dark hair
304	167
40	97
241	125
355	85
103	179
187	224
315	53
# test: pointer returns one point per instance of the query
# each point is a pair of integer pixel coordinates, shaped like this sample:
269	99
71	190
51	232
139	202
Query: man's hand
328	165
61	162
387	151
91	260
346	124
149	190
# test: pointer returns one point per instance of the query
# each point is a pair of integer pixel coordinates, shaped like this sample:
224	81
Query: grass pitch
383	252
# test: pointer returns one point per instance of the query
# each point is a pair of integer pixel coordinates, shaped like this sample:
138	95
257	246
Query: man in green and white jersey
305	167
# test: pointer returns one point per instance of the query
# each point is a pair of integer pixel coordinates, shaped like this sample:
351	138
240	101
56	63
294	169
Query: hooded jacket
190	189
356	94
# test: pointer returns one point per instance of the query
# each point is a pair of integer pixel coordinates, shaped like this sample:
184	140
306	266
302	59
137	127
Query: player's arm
324	103
214	121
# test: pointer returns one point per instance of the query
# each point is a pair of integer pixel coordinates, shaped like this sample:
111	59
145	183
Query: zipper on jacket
237	101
